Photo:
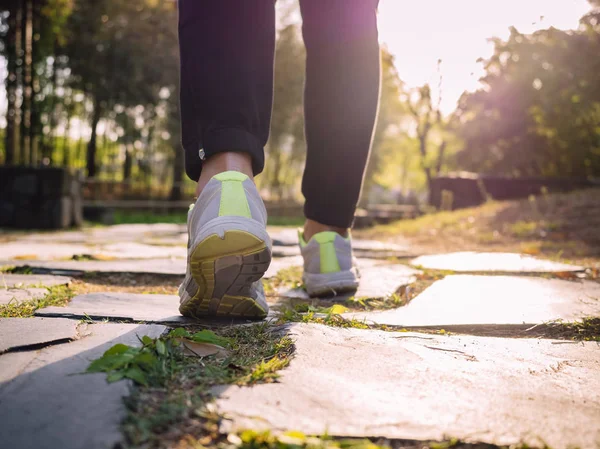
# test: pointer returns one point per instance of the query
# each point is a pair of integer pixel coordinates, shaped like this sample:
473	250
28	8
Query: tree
428	117
286	148
119	57
539	110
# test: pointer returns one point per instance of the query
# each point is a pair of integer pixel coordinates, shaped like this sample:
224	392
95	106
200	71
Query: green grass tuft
58	295
164	409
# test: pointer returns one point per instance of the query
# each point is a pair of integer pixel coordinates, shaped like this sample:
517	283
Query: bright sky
419	32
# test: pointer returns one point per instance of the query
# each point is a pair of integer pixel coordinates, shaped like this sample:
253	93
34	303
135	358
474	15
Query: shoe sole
225	269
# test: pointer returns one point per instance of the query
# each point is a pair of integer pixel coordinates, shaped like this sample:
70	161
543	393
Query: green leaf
137	375
180	332
112	361
160	347
146	359
115	376
147	340
208	336
117	349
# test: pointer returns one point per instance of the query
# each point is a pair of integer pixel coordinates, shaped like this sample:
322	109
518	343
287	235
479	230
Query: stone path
347	382
424	387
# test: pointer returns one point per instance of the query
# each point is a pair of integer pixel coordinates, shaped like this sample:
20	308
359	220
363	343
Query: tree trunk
27	43
11	155
92	144
35	121
127	165
440	158
176	188
65	149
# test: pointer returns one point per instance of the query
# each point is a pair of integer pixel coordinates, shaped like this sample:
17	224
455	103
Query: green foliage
286	148
57	296
127	217
539	110
155	361
251	439
178	398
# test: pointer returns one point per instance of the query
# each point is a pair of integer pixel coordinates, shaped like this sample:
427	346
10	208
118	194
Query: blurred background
471	90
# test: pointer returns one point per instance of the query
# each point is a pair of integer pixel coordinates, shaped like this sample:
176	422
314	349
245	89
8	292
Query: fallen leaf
567	275
26	257
201	349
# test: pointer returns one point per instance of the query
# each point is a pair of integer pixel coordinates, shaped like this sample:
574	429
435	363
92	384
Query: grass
251	439
286	221
288	278
587	329
129	217
58	296
558	226
177	404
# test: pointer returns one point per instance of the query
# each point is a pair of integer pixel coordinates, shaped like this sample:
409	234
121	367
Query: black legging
227	49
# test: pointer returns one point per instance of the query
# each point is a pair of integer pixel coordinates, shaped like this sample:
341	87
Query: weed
58	295
290	277
177	402
587	329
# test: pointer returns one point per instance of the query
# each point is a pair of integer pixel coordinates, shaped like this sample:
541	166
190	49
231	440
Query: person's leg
226	50
341	98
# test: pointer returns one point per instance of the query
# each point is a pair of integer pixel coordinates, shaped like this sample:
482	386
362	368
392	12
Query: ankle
222	162
312	227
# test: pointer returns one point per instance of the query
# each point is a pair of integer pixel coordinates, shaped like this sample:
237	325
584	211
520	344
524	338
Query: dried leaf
201	349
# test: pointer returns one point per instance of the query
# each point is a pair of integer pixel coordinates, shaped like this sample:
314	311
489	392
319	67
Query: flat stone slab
45	401
469	261
20	333
131	307
120	306
134	250
377	280
111	234
174	266
351	382
74	267
17	295
123	250
28	280
20	250
492	300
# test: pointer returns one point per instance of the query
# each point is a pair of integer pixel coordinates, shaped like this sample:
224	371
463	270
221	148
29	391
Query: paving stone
173	266
120	306
26	280
74	267
134	250
41	250
494	300
285	251
283	236
19	333
46	403
420	386
377	280
131	307
469	261
111	234
17	295
281	263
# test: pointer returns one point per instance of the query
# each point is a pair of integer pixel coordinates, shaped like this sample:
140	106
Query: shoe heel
225	267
